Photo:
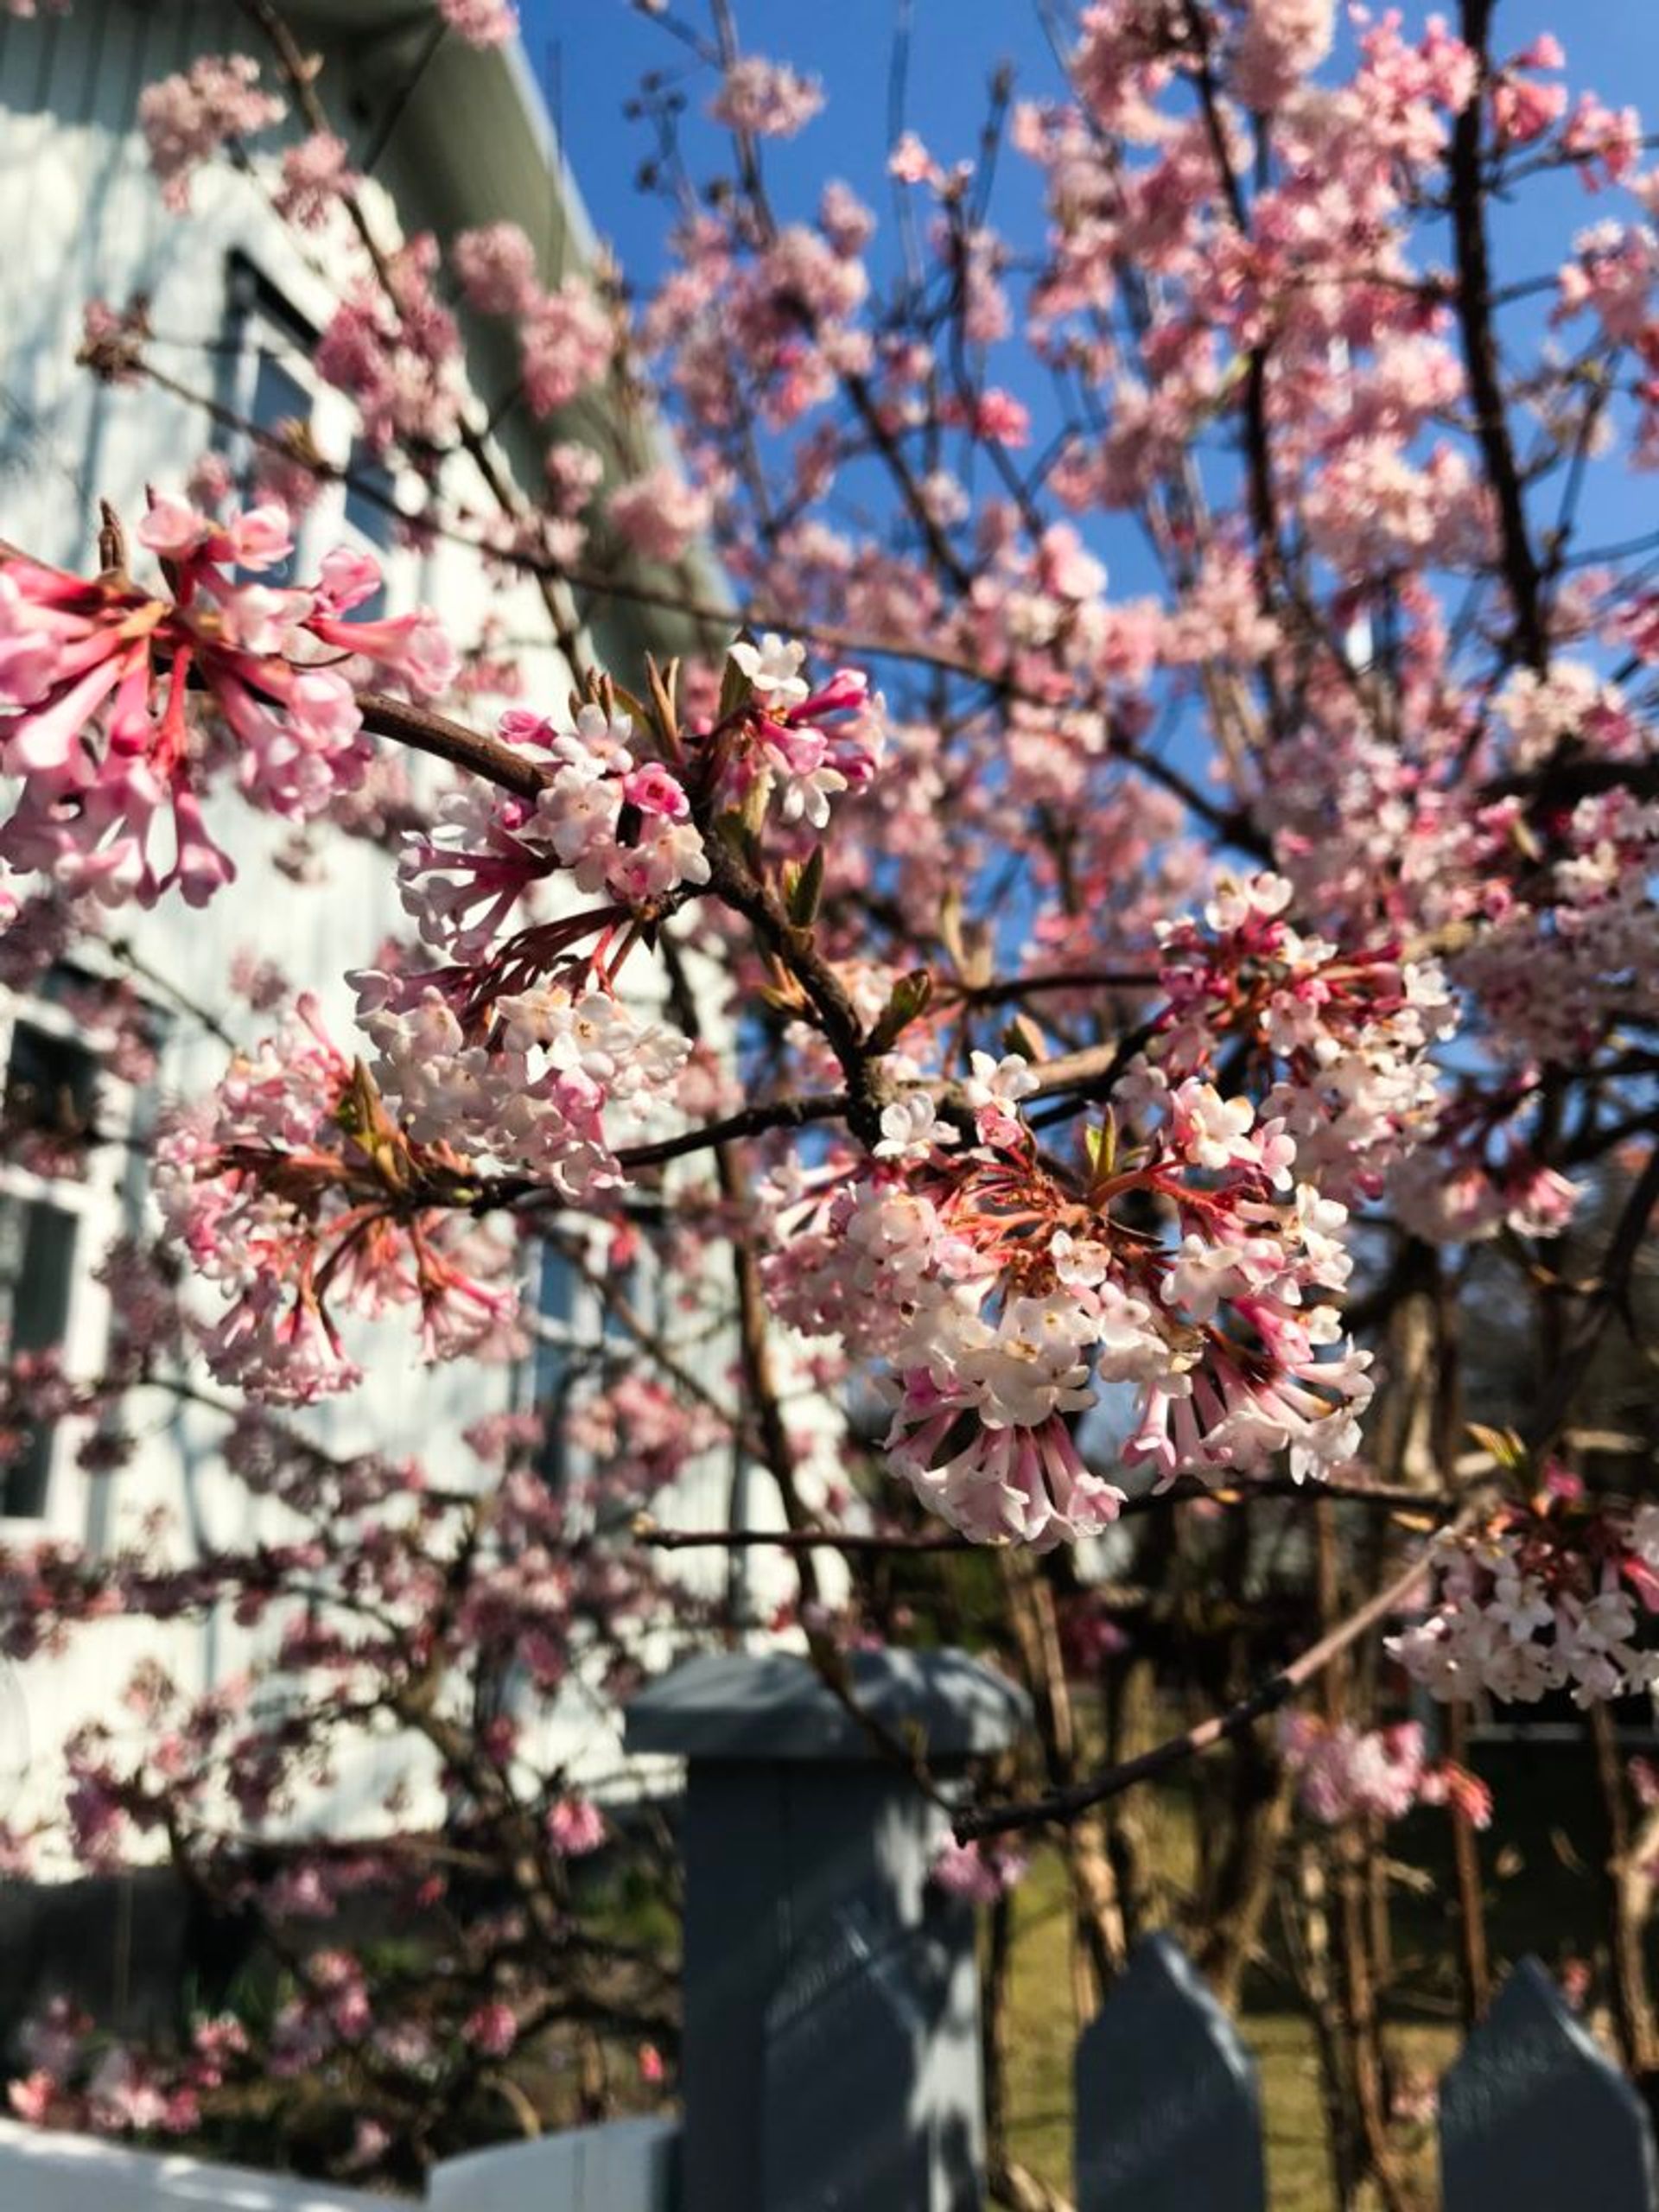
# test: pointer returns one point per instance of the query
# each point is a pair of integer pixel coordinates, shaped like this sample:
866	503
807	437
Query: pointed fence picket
1533	2109
1168	2107
1532	2115
1535	2117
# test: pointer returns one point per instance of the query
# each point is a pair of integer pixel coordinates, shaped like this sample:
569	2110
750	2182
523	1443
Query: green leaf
908	997
803	888
1101	1145
1504	1444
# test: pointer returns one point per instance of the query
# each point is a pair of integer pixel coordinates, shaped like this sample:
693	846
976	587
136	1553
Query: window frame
259	319
95	1205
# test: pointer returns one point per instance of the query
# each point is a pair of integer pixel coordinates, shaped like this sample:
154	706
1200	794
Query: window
61	1129
264	381
267	381
556	1360
371	515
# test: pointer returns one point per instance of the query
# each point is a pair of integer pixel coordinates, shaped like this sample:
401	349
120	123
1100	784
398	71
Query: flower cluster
317	175
1001	1291
809	745
104	685
566	344
188	119
79	2079
296	1187
615	825
766	100
395	349
1540	1601
576	1826
1344	1773
481	23
658	514
537	1079
496	267
1348	1033
978	1873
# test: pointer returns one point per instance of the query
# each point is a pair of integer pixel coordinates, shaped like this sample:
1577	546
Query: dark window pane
51	1100
37	1252
553	1367
370	511
278	397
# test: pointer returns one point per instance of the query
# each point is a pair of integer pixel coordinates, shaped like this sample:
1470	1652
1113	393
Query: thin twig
1060	1806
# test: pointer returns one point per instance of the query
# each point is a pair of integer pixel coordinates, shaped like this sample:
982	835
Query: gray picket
1168	2108
627	2165
846	2037
1535	2113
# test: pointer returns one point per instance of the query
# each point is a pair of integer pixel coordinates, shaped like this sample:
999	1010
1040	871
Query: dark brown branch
1060	1806
748	1122
425	731
1480	359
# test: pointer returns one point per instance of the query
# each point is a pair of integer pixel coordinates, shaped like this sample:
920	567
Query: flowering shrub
1088	1044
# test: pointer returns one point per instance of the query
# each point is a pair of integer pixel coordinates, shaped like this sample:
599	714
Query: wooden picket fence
625	2167
1533	2117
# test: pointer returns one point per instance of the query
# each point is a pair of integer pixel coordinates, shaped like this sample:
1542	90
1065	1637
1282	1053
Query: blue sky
590	55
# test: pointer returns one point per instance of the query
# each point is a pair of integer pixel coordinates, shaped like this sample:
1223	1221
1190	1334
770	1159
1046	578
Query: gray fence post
1168	2111
831	2059
1536	2117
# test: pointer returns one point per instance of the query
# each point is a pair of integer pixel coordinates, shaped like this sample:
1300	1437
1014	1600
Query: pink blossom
911	163
660	513
1279	43
492	2029
95	679
654	791
766	100
497	268
576	1827
1522	111
187	120
395	349
844	219
1607	143
979	1874
31	2096
567	342
481	23
1343	1773
316	176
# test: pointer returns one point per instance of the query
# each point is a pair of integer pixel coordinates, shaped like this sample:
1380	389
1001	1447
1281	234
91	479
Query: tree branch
1061	1806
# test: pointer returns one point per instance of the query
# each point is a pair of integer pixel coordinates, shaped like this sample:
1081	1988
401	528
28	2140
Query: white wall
81	218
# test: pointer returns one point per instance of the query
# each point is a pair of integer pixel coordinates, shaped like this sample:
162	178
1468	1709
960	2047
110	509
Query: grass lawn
1045	2033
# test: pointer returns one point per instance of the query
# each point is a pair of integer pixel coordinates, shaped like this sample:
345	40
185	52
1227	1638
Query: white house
457	138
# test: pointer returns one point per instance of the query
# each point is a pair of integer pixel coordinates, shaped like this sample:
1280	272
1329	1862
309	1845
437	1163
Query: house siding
81	218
